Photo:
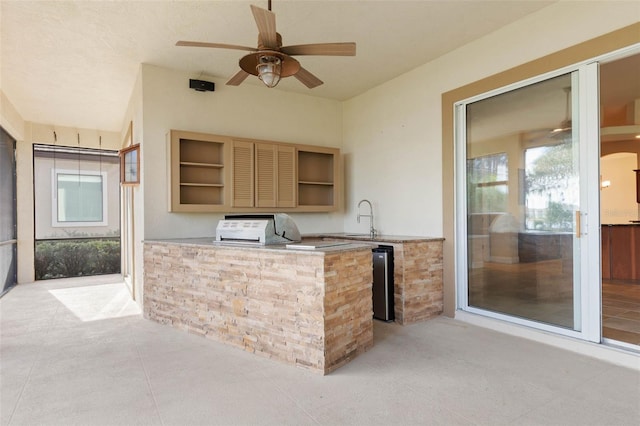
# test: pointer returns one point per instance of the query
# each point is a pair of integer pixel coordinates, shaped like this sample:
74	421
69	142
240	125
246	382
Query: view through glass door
8	252
524	171
620	198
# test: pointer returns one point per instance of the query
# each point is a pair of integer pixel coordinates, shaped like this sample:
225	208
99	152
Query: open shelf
215	166
199	194
198	171
315	195
316	167
317	176
215	173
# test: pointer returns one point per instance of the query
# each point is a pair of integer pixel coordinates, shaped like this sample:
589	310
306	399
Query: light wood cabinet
263	175
243	174
275	175
286	184
319	178
224	174
198	172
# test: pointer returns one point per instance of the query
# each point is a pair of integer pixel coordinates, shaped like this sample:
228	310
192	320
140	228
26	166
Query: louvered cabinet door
266	175
243	174
286	186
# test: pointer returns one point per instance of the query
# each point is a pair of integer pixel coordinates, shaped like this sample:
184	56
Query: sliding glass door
525	160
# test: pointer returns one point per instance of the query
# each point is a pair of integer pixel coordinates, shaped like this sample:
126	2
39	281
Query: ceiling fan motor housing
249	63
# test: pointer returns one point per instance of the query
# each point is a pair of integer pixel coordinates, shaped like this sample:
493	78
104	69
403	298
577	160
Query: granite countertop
307	246
365	237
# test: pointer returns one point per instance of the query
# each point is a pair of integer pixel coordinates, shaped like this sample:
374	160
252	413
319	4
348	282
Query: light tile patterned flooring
76	352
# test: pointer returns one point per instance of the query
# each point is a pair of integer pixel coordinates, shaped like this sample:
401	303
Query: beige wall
618	201
393	134
589	48
161	101
44	228
135	194
10	119
245	111
614	147
44	134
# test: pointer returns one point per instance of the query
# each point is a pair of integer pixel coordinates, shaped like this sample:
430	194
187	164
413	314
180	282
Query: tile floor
621	311
77	352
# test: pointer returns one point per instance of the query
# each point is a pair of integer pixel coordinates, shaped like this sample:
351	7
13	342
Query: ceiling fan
565	125
271	61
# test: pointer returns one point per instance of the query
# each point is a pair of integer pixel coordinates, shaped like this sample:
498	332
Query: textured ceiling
74	63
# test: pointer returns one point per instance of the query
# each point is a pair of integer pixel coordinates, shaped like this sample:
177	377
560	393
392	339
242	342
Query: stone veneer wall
310	309
418	287
418	291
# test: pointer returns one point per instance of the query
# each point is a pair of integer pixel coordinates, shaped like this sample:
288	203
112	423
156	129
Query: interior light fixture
637	136
605	184
269	68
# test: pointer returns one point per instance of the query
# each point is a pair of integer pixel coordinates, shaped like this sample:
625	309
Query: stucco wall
245	111
44	192
411	106
44	134
393	133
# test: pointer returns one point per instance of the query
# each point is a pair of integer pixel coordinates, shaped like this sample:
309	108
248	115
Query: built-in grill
257	229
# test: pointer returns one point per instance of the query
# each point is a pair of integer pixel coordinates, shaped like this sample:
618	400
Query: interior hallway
77	352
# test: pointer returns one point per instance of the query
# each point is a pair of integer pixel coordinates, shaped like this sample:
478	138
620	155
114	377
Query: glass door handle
577	223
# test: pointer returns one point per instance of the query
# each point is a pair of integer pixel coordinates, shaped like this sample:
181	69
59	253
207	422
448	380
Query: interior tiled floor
540	291
621	311
543	291
77	352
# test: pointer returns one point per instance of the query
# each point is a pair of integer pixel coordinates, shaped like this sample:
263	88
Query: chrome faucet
372	230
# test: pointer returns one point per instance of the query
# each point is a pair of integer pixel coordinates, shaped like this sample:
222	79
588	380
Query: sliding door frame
590	245
587	272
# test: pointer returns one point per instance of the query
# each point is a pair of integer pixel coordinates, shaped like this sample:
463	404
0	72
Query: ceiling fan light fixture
269	69
564	126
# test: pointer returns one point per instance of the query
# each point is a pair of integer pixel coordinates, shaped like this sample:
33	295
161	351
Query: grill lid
257	229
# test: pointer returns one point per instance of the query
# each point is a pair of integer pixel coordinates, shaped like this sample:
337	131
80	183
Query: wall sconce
605	184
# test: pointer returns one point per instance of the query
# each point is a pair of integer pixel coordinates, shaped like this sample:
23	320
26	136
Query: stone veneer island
310	308
418	281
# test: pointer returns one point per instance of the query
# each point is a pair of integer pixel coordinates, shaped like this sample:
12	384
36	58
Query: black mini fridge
383	283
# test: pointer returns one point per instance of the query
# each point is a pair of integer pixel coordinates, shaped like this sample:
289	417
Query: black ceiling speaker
201	85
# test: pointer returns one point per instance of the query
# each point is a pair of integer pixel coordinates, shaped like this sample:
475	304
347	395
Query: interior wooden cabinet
211	173
197	171
318	178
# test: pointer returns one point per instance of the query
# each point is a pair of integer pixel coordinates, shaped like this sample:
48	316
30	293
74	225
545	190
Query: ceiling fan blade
307	78
323	49
215	45
266	22
238	78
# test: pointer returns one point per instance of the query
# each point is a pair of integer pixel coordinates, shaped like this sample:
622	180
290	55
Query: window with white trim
79	198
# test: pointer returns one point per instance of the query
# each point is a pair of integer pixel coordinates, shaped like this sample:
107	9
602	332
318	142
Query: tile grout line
146	375
33	364
286	395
